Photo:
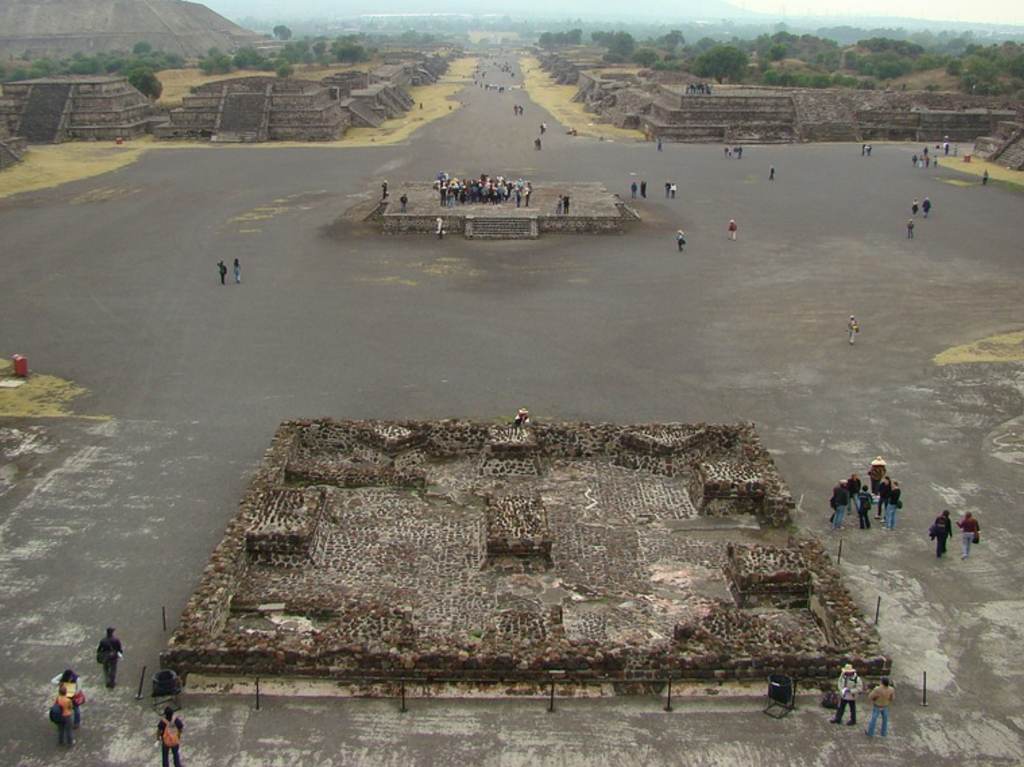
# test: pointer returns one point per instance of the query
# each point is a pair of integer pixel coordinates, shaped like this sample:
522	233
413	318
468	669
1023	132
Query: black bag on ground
830	699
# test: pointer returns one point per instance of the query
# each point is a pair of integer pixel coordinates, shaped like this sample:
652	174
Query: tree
981	76
247	58
146	81
320	48
721	62
672	40
285	69
348	50
955	67
645	57
216	63
777	52
142	48
281	32
621	44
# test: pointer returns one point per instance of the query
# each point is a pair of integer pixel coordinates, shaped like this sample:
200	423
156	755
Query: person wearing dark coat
941	532
864	502
840	502
884	488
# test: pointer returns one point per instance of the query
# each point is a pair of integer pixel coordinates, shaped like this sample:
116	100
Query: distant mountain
63	27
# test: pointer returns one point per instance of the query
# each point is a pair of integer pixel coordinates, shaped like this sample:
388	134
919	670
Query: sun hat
849	669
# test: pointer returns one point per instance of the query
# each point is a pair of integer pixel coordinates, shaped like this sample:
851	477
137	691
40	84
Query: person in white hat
850	686
853	328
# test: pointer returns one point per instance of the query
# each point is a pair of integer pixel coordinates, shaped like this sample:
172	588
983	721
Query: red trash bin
20	366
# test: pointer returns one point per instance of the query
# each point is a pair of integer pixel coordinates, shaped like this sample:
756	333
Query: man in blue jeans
839	503
881	698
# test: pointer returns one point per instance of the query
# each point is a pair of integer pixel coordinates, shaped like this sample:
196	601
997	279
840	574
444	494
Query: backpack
56	713
830	699
170	737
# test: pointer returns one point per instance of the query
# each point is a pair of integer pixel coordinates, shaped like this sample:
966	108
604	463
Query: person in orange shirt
65	734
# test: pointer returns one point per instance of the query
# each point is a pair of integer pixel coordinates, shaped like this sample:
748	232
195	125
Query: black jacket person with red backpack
168	732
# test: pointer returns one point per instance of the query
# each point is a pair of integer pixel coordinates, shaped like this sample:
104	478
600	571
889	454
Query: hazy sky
992	12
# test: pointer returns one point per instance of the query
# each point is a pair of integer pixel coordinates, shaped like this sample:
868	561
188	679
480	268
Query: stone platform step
235	137
510	228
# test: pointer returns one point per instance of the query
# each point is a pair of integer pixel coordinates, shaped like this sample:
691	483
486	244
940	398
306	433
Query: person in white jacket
850	686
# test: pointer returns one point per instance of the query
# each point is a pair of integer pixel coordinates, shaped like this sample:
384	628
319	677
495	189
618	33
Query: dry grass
977	167
51	165
178	83
919	81
41	396
1008	347
557	99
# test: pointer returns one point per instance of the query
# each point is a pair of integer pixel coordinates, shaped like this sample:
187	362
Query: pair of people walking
223	271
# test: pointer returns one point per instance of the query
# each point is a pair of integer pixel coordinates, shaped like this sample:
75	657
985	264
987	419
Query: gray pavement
105	521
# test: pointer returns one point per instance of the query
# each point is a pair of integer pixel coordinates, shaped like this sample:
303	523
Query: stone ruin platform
592	210
468	553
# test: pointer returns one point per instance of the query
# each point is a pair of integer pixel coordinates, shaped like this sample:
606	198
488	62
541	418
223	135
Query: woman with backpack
69	680
61	713
168	732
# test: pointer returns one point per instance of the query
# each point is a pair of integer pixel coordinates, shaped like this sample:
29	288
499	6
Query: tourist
223	271
168	732
536	143
927	161
839	502
643	189
404	201
893	504
863	149
728	152
672	191
881	698
884	489
543	128
852	328
558	205
853	485
864	503
110	649
733	228
529	191
439	228
633	188
926	205
910	228
984	178
970	532
913	207
850	686
565	205
522	418
69	680
384	190
876	473
681	240
65	733
869	150
771	173
659	143
941	531
668	188
739	152
913	160
238	272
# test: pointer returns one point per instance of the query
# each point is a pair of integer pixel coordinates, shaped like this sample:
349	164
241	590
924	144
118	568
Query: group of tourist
487	190
849	686
883	494
865	150
222	270
698	89
925	206
517	110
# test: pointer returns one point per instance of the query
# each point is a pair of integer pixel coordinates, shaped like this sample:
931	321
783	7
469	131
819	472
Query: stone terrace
369	551
592	209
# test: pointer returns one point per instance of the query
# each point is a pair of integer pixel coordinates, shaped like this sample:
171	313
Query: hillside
58	28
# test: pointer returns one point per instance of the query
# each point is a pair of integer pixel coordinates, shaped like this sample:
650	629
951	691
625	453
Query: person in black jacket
941	532
893	504
840	502
884	488
109	652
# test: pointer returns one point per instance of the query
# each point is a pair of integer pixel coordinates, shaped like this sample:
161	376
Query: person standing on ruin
941	531
404	201
110	649
238	272
850	686
439	228
733	228
881	698
565	205
223	271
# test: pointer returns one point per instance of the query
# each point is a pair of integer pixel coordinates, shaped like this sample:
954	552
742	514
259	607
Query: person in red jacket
970	532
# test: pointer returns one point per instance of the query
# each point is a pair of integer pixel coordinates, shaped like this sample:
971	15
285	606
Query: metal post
163	613
878	607
551	703
403	709
839	556
142	679
924	688
257	693
668	702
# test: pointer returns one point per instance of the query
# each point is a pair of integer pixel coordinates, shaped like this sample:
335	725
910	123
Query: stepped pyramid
59	28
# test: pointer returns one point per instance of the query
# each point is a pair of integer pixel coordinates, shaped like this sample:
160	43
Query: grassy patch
178	83
41	396
976	167
557	99
1007	347
51	165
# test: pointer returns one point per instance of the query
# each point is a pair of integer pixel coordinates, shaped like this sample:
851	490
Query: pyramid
59	28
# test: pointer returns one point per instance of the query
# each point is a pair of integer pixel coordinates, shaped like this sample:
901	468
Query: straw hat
849	669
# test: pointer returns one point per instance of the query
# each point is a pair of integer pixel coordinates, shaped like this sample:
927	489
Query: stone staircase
11	150
506	228
1012	155
243	118
362	115
43	117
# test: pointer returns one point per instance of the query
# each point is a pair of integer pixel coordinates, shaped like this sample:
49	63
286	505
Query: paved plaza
108	516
